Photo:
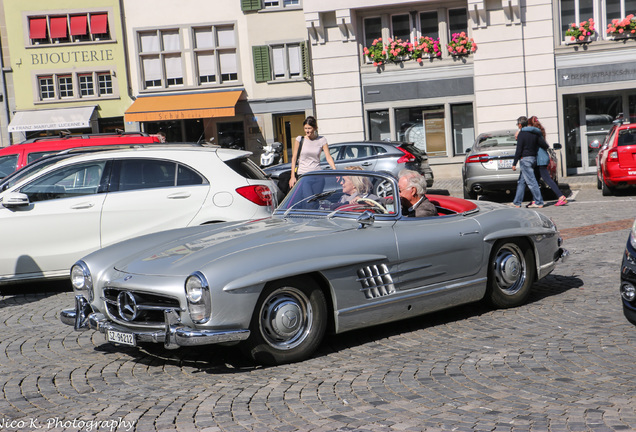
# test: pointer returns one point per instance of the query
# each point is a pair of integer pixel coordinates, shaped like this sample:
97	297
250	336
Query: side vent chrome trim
376	281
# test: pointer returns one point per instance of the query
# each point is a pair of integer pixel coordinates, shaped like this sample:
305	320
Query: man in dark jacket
412	195
526	155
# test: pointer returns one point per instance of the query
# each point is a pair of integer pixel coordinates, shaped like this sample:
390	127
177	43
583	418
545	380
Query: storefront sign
605	73
86	56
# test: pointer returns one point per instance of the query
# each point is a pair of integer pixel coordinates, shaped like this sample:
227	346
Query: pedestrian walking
543	160
526	155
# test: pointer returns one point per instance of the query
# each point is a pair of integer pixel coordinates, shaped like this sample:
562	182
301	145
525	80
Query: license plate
504	163
121	338
631	172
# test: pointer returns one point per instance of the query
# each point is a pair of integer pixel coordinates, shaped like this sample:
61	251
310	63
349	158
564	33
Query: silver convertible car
332	258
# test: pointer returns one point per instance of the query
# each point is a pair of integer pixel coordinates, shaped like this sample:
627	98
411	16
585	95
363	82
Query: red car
616	159
16	156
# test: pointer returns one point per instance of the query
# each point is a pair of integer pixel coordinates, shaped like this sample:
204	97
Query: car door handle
367	164
468	233
179	195
83	205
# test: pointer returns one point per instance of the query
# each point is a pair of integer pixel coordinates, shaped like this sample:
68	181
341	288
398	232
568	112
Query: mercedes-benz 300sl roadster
338	254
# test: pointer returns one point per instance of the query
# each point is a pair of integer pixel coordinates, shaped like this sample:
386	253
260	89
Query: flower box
572	40
580	33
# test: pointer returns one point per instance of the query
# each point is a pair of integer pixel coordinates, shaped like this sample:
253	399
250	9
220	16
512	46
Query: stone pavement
562	362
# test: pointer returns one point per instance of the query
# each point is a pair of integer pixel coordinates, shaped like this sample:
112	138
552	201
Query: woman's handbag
283	179
543	158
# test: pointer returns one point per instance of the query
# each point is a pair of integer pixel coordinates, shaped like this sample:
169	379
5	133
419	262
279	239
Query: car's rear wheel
470	195
511	273
607	191
289	322
599	183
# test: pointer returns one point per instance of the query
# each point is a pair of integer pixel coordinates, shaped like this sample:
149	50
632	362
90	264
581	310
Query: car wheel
510	273
607	191
289	322
599	183
470	195
384	189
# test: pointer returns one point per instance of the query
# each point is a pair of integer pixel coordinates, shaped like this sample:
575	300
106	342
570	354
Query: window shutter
250	5
262	67
304	52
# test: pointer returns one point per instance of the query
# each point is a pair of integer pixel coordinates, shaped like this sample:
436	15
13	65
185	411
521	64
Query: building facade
65	67
523	65
237	79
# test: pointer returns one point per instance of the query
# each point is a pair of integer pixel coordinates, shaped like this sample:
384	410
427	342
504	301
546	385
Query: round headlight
628	291
197	292
81	280
77	277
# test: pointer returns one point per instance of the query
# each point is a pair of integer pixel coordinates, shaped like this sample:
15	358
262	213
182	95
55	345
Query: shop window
280	62
379	126
231	135
463	127
85	27
423	126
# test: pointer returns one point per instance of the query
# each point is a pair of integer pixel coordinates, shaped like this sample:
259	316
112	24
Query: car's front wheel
289	322
510	274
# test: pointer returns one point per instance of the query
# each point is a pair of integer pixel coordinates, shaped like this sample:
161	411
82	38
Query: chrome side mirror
15	199
366	219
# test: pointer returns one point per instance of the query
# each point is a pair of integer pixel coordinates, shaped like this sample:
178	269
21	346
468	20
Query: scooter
271	154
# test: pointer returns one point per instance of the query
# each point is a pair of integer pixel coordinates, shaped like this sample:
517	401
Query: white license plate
504	163
121	338
631	172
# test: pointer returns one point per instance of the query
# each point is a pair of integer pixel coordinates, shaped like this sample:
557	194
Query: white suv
52	218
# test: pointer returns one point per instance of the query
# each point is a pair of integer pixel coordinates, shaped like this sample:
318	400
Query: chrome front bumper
173	335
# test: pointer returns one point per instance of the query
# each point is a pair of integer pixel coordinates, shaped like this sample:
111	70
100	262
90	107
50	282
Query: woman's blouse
309	159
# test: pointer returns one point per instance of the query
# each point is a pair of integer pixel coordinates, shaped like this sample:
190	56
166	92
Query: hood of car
259	239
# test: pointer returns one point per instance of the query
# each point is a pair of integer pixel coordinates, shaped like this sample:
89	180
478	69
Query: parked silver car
382	156
323	262
488	164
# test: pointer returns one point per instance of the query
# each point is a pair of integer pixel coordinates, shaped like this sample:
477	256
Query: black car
628	277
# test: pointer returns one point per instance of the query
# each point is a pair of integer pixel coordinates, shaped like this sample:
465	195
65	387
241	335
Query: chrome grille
376	281
138	307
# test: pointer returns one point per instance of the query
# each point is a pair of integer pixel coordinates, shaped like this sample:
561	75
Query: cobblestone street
562	362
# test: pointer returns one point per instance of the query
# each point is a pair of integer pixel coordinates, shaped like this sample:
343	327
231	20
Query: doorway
588	118
288	127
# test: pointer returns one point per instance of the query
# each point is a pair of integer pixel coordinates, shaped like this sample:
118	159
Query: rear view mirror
15	199
595	144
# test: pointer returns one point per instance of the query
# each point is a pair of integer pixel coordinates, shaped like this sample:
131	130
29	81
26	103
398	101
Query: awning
58	27
64	118
183	106
99	23
78	25
37	28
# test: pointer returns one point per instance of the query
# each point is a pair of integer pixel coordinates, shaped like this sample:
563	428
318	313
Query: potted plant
580	33
376	52
461	44
398	50
425	47
624	28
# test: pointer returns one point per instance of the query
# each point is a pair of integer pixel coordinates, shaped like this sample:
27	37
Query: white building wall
514	67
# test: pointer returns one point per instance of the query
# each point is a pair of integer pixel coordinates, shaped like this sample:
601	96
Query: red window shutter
37	28
99	23
78	25
58	27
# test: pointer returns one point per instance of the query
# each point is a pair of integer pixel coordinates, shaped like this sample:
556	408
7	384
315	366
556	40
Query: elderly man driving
412	195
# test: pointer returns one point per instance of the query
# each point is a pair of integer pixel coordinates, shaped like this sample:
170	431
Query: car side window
357	152
67	182
8	164
146	174
333	151
187	177
37	155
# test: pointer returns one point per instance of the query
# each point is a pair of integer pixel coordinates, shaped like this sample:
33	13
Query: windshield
340	193
28	170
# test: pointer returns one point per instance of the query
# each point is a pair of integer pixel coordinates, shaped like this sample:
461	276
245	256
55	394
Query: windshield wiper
311	198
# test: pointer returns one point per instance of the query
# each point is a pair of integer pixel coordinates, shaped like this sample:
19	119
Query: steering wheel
374	203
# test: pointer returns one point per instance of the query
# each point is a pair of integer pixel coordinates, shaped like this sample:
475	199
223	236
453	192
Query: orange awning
183	106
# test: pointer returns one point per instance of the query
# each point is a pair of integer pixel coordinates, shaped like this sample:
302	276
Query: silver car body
371	267
381	156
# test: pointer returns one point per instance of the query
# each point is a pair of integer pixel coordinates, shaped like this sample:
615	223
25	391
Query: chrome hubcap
285	318
510	272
